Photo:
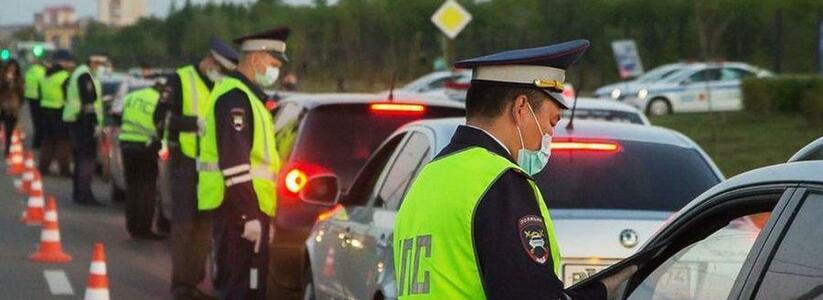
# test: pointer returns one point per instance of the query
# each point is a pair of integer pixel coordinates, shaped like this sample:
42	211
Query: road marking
58	282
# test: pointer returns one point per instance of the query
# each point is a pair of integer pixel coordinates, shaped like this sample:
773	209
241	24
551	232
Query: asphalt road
136	269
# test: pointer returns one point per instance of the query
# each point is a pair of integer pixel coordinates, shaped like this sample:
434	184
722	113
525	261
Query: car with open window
609	186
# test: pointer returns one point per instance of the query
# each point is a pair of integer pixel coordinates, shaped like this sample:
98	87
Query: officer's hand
252	231
201	127
613	282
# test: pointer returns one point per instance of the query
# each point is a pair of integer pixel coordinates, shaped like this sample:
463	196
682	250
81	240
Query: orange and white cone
28	173
16	154
98	286
33	215
50	249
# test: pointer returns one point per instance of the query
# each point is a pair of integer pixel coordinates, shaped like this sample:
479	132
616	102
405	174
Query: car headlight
615	93
641	94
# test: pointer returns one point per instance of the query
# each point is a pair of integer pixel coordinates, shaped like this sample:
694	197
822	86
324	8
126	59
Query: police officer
238	164
83	112
140	132
55	140
190	87
34	75
491	235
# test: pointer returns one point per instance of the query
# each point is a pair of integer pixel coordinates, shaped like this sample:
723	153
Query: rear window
340	138
639	176
604	115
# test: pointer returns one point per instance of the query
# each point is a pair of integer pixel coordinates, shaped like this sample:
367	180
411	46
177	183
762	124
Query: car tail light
397	108
585	145
293	179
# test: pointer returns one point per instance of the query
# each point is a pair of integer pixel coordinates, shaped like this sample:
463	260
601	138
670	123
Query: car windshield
658	73
638	176
339	138
604	115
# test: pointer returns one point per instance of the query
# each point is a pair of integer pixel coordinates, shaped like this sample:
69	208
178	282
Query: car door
371	226
695	94
707	251
726	91
332	238
792	268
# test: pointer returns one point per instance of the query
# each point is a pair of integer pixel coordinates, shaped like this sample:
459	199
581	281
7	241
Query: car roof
792	172
444	128
596	103
811	149
312	101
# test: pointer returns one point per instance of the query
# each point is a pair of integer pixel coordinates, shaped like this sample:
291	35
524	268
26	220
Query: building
120	12
59	25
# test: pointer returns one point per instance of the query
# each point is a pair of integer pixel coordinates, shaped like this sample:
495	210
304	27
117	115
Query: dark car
330	134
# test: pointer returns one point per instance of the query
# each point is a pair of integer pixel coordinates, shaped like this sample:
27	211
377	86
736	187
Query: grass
742	141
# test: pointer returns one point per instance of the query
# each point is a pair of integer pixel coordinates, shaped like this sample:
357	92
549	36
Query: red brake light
397	108
295	180
597	146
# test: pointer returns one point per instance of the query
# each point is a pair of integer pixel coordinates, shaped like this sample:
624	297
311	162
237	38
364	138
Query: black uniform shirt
509	266
177	121
235	133
85	85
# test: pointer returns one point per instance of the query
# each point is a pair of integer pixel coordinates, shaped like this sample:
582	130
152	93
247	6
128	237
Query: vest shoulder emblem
532	231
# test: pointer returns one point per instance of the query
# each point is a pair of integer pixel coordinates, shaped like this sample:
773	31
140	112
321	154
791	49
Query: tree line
370	41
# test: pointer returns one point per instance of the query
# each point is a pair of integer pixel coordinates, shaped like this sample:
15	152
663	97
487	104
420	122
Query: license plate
575	273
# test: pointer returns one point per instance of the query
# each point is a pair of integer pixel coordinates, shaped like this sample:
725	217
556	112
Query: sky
22	11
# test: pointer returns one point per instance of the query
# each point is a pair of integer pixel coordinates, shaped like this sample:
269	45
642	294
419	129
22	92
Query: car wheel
659	107
308	285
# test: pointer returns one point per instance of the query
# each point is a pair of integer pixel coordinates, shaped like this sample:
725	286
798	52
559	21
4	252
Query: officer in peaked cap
189	90
492	238
237	166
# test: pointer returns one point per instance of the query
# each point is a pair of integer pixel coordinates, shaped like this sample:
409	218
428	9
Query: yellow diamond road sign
451	18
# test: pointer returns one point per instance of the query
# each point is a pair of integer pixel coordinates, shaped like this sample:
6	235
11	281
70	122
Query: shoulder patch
237	115
532	233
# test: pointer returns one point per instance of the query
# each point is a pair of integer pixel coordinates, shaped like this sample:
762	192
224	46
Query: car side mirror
321	190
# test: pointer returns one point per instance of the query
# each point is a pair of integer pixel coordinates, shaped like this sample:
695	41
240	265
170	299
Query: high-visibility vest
264	164
195	94
434	253
138	116
33	76
74	105
53	95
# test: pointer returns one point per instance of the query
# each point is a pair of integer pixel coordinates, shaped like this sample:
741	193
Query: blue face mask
533	161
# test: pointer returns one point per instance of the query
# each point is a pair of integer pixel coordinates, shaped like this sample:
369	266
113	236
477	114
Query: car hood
590	233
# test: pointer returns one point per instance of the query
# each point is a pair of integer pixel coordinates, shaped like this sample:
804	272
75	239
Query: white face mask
100	70
268	78
214	75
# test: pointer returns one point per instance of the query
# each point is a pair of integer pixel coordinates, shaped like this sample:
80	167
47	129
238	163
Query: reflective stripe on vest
34	75
261	170
74	105
53	95
195	95
138	116
434	250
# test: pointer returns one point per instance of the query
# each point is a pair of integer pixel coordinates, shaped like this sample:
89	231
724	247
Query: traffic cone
16	154
50	249
28	173
33	214
98	285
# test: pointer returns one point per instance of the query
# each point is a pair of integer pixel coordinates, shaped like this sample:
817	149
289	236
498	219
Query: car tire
659	107
308	285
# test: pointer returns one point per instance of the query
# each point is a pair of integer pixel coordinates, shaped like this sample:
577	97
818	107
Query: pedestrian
191	243
140	132
83	112
11	99
34	75
474	224
55	142
239	160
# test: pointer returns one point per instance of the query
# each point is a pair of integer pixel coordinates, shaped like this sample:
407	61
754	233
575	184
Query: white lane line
58	282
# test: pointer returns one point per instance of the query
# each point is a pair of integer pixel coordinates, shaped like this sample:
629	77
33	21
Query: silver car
613	183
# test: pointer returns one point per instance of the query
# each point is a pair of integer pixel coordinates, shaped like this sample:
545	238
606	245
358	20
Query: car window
708	268
795	271
405	166
286	122
367	178
734	74
705	75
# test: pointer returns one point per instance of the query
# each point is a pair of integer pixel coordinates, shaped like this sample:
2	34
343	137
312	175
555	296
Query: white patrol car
620	90
699	87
